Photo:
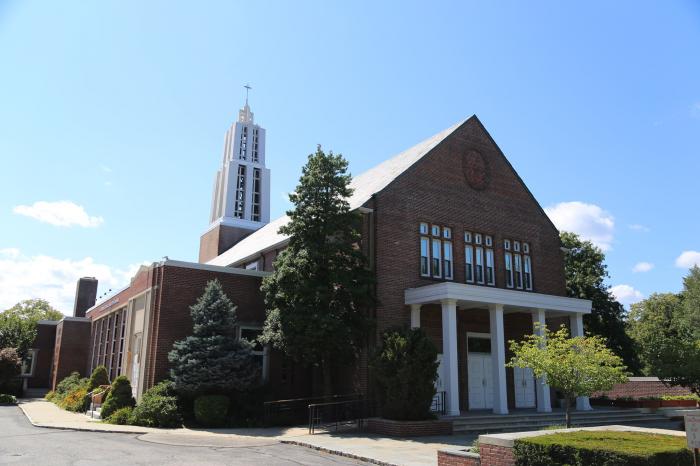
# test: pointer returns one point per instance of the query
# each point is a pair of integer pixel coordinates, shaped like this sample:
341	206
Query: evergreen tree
586	272
319	293
213	360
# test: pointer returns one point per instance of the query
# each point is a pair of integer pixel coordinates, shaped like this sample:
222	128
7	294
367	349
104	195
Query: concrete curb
82	429
338	453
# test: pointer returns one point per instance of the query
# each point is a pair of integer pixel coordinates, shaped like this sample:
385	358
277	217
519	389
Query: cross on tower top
247	88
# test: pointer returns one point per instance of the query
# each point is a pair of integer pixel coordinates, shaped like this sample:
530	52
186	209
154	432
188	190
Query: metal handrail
295	409
340	412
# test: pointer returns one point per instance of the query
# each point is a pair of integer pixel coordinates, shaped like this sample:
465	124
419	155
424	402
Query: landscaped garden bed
611	448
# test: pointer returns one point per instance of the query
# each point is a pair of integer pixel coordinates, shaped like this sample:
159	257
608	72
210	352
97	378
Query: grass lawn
630	443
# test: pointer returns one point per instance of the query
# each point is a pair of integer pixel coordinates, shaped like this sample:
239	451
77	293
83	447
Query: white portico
490	364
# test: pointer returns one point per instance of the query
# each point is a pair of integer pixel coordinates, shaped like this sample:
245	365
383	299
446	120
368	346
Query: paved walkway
375	449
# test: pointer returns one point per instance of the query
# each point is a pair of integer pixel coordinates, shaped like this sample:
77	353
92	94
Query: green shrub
210	410
50	396
157	408
76	401
405	370
118	397
609	448
68	385
98	377
122	416
10	364
680	397
7	399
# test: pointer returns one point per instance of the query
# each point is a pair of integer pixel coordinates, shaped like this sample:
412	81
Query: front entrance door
480	381
524	382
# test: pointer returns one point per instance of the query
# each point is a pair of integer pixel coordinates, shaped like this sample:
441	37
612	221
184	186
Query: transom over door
480	381
524	384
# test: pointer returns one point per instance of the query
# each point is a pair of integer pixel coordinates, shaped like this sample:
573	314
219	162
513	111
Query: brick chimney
85	294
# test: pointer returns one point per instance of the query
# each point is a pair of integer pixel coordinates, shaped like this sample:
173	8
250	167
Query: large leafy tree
35	309
576	366
18	323
586	272
213	360
665	328
319	293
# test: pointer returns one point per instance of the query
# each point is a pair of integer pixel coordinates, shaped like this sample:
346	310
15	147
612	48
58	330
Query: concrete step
533	414
552	419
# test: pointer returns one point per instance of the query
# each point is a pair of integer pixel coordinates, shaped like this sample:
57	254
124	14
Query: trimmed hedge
118	397
157	408
122	416
98	377
211	410
7	399
609	448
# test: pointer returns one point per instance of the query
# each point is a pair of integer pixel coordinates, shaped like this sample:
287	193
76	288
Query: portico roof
475	295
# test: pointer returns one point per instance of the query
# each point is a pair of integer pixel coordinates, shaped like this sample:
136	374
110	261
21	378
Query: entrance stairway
520	421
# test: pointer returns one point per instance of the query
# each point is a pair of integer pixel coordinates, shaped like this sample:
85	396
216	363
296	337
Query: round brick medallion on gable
476	170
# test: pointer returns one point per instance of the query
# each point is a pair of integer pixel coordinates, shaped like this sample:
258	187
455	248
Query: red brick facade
44	345
489	455
409	428
72	348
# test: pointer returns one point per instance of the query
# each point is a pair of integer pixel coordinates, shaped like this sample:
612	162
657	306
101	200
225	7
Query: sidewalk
379	450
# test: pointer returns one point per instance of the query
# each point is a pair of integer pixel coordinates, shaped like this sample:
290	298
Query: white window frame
479	262
447	232
436	268
469	263
527	267
435	230
253	265
34	353
488	240
467	236
447	259
516	246
518	270
477	238
490	265
424	240
506	244
508	260
423	228
265	353
526	248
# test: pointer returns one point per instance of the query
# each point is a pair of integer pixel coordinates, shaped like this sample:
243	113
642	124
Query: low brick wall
409	428
497	449
458	458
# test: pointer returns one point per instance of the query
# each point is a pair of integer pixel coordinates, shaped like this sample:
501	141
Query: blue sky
120	108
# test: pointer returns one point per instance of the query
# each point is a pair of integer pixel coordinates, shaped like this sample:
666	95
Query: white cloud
642	267
105	169
59	213
688	259
638	227
626	294
587	220
53	279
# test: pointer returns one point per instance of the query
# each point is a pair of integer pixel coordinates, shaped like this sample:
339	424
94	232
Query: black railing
296	411
438	405
339	414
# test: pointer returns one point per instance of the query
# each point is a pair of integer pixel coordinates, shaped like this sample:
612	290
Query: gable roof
364	187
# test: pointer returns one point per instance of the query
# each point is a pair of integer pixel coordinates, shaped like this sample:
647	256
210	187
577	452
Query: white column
544	404
498	360
449	355
415	315
582	402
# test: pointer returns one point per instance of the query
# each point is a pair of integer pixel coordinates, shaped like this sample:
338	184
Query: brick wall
454	458
639	387
72	349
495	455
435	190
44	342
409	428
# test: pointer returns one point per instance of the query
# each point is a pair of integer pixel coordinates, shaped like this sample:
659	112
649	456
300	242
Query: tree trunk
567	411
326	368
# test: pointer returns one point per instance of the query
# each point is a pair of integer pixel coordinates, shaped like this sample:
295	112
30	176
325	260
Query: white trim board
474	294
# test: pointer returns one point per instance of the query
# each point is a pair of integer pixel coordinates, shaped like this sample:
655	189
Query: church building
458	243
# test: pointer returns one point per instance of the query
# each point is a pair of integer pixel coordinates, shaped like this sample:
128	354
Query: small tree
98	377
119	396
10	365
318	296
212	360
405	370
577	366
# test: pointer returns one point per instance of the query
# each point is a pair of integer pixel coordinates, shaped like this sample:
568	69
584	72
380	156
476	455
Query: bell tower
241	197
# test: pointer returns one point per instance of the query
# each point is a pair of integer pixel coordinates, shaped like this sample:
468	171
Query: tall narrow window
436	256
509	270
424	258
490	278
256	195
242	151
447	246
469	262
479	265
255	146
518	271
528	273
239	205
